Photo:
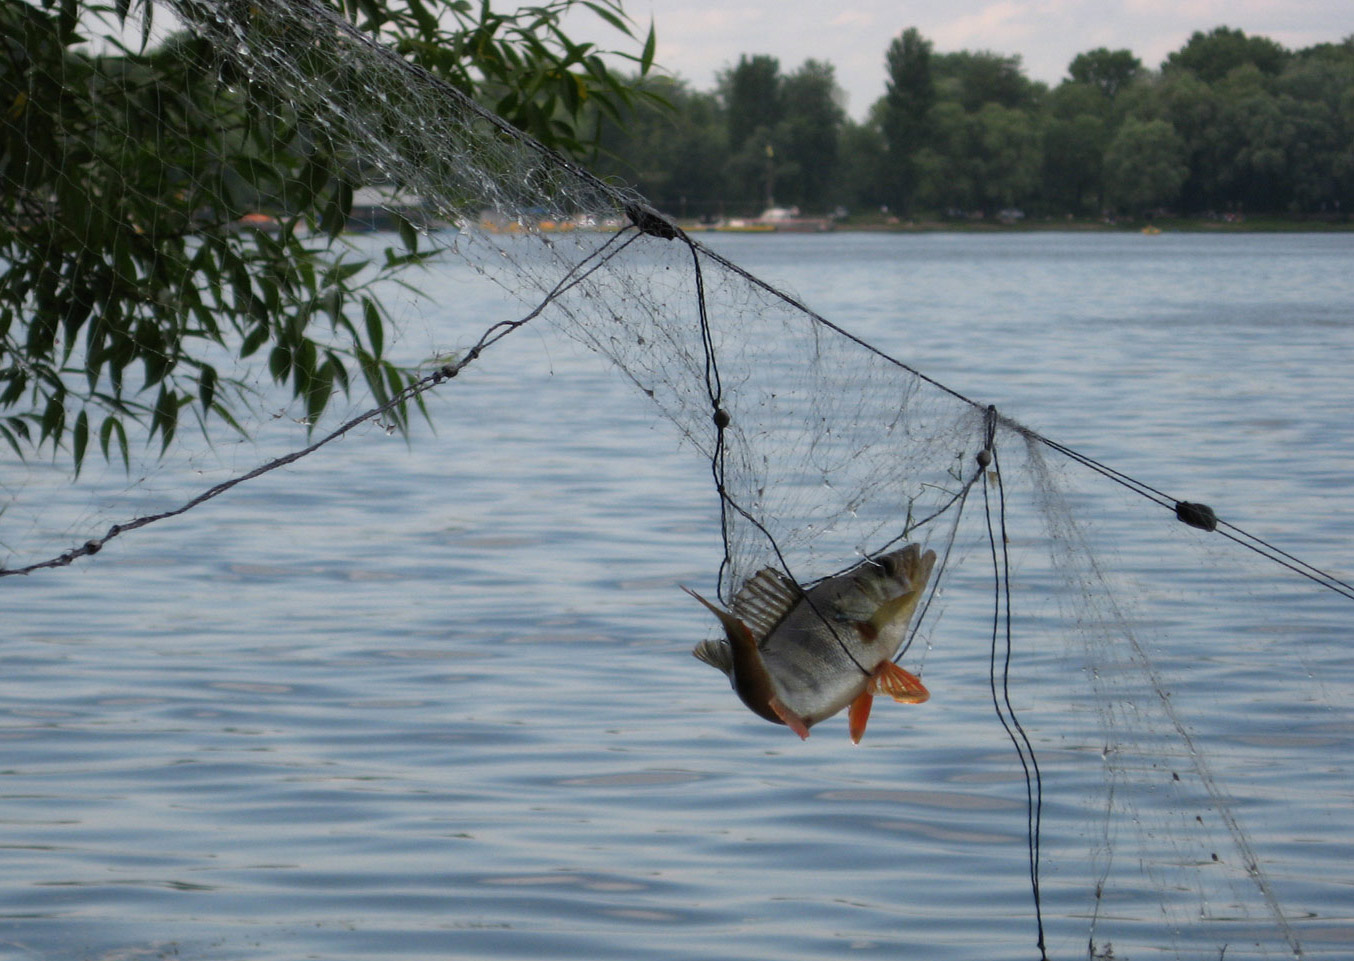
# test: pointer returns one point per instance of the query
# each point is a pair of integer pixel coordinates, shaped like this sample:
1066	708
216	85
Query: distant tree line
1229	124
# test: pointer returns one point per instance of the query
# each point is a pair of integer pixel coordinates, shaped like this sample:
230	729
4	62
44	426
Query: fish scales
797	656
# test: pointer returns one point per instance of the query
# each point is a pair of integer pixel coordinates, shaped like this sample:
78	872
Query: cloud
852	18
699	38
996	24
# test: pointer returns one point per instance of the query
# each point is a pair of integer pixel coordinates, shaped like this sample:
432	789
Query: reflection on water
436	700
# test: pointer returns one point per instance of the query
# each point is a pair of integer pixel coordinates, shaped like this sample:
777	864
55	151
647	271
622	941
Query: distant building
375	207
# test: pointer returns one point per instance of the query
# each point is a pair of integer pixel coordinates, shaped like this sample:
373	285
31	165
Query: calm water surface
436	701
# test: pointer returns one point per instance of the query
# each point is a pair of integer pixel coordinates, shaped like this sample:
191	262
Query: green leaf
206	386
165	418
573	91
9	436
397	382
650	45
112	425
408	234
77	312
254	340
609	17
303	364
340	273
317	397
427	23
371	373
279	362
335	371
272	297
375	329
336	211
146	18
80	440
53	422
18	381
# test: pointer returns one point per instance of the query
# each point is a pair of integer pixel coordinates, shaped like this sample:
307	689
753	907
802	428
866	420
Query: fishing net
822	449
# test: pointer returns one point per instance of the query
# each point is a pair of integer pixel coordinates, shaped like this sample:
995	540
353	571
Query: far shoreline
1244	225
1155	225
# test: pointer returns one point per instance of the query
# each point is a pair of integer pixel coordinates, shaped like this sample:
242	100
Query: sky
698	38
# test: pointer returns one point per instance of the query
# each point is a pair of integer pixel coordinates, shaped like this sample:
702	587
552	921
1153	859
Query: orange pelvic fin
860	715
903	686
792	720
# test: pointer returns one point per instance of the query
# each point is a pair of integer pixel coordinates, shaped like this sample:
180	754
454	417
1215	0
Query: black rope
823	321
1284	559
714	391
721	419
1201	516
653	223
1010	722
492	335
961	498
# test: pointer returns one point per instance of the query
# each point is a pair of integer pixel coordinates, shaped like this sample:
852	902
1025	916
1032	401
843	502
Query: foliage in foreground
137	294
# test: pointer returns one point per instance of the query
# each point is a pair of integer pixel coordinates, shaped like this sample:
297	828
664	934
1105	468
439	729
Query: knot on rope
984	456
651	222
721	418
1196	515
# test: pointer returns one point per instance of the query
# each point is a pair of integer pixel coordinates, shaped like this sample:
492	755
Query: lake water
434	700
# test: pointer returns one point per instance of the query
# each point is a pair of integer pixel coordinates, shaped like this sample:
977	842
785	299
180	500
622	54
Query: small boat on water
772	220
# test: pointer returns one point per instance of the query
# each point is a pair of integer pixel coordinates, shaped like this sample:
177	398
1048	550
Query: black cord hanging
1002	638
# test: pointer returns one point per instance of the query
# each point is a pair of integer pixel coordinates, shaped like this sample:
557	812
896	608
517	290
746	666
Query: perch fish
796	657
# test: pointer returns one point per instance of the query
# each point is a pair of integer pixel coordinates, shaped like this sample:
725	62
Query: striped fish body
797	656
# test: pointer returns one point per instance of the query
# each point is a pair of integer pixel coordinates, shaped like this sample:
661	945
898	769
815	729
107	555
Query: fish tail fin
716	653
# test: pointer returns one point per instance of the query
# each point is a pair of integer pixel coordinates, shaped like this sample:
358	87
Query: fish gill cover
821	450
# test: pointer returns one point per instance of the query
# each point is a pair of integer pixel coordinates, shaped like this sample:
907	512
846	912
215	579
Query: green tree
981	145
860	162
1191	108
672	146
123	178
946	175
1073	162
976	78
1082	116
910	94
1317	94
1109	71
1005	158
809	134
752	99
1145	165
751	94
1211	56
1263	129
1257	131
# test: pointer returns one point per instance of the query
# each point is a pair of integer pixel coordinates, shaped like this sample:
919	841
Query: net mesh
822	450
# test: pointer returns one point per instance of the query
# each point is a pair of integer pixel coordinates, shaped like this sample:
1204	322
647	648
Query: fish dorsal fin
716	653
765	600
